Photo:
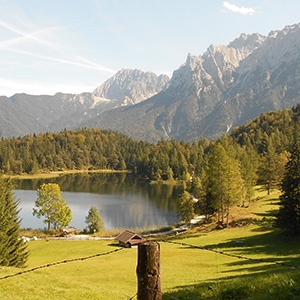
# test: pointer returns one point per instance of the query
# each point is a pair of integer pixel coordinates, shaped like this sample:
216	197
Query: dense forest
231	166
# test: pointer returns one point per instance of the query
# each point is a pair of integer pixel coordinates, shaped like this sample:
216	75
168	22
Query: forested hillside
103	149
91	149
68	150
277	127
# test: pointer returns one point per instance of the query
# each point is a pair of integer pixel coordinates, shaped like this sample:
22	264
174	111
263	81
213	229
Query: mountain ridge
209	94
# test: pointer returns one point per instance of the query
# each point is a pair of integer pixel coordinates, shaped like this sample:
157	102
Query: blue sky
72	46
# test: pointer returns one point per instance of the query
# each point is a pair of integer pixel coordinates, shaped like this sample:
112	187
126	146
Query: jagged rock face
192	94
131	86
224	87
269	78
207	76
263	75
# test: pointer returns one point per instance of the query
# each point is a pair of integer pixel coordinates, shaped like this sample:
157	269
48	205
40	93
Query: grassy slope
187	273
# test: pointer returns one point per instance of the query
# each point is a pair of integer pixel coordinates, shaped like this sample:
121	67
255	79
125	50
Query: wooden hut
129	238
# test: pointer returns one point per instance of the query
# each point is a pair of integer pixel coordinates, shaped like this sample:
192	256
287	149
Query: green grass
187	273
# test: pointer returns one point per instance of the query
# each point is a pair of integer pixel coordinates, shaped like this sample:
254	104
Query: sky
73	46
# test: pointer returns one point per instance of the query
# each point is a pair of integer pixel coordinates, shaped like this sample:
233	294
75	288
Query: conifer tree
248	163
268	171
289	213
225	186
12	249
216	184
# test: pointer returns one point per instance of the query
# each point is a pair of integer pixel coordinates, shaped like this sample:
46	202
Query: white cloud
241	10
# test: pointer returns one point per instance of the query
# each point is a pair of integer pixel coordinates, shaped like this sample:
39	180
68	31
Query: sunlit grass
187	273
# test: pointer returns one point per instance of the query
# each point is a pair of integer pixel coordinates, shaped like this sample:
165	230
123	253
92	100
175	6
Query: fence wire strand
61	262
158	241
230	254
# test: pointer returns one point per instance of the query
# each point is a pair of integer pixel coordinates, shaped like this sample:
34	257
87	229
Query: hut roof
128	236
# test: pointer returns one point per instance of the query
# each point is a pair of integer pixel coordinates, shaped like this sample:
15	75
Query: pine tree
268	171
12	249
289	213
225	186
249	162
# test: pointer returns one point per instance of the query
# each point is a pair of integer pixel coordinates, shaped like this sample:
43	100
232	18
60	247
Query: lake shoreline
54	174
122	200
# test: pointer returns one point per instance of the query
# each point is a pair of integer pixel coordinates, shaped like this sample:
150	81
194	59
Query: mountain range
207	95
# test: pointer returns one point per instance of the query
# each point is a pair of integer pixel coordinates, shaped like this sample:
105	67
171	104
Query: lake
122	200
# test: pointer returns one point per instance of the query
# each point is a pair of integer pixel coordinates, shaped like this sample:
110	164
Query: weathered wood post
148	272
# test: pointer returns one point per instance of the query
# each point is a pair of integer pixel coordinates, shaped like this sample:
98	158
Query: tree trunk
222	207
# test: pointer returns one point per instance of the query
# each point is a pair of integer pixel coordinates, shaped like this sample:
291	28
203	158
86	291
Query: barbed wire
61	262
230	254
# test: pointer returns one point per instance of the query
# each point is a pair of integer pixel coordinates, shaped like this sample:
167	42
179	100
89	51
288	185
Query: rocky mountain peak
192	61
215	66
131	86
279	48
248	42
286	30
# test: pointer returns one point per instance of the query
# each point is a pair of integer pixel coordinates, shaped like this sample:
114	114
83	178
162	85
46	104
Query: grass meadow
252	260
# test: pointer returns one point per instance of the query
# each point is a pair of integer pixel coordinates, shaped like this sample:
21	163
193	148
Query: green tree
52	206
248	163
94	221
225	186
216	185
288	217
13	250
236	191
185	207
268	171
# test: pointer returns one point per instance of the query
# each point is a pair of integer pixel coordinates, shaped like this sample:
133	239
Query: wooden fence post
148	271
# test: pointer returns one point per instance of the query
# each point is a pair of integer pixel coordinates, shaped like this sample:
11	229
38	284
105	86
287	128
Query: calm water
122	201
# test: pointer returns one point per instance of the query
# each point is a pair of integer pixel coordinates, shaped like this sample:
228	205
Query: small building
68	231
129	238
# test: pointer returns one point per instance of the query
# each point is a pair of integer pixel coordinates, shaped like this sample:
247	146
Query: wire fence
61	262
230	254
159	241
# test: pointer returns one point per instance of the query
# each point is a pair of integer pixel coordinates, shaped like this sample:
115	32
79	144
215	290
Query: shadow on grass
267	244
273	286
268	252
269	213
